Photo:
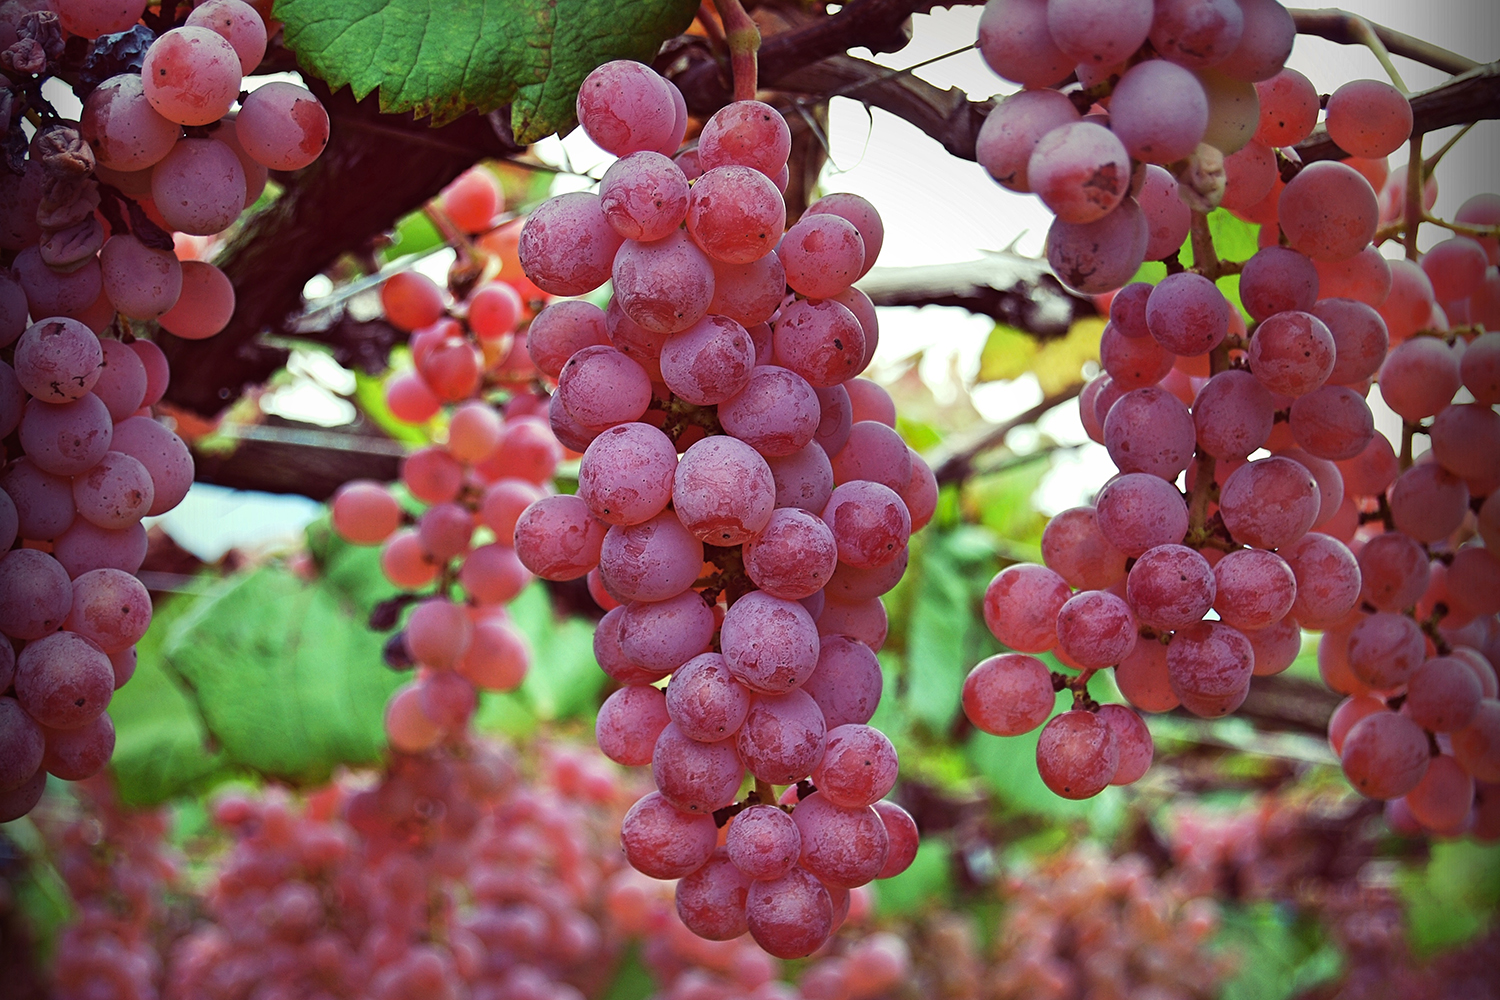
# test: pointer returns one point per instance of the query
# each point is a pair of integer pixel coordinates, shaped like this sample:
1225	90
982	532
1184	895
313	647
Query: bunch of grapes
118	869
91	265
493	463
1188	593
743	501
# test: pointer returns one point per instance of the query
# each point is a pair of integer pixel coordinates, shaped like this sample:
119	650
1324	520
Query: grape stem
743	37
765	791
1364	33
1346	29
1415	211
1408	429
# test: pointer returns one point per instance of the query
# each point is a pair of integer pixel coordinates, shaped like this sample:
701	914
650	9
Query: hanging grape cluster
1295	513
87	214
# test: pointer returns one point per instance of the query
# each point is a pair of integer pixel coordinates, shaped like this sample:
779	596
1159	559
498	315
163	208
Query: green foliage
564	681
1057	363
1279	955
444	59
926	884
369	394
1453	897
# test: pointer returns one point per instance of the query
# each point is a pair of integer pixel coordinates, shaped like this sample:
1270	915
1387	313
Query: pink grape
873	452
748	293
1443	800
1090	31
844	848
141	282
1369	118
869	523
794	556
122	128
1142	677
1408	308
1384	649
665	286
1366	277
1159	111
823	254
58	360
1333	422
1132	741
1474	581
625	107
862	215
1427	502
80	753
722	491
1265	43
763	842
711	900
664	842
1008	695
22	744
858	767
709	362
558	539
1233	415
1133	362
1012	130
239	23
1102	255
735	214
1016	43
650	561
662	635
1074	546
1328	211
1249	177
63	681
1385	755
1419	378
562	329
1292	353
53	294
1288	109
601	387
567	246
747	133
804	479
68	438
791	916
1480	368
1269	503
38	592
1076	755
1253	589
1080	171
644	196
1359	337
1394	571
1209	665
771	645
846	682
282	126
1196	33
783	737
1443	695
1021	606
1370	472
205	306
115	493
1137	511
704	699
199	187
1186	314
776	412
1276	646
1150	430
498	659
1096	629
626	474
1466	441
1476	747
1328	579
1167	216
191	75
695	777
84	547
1171	586
1277	279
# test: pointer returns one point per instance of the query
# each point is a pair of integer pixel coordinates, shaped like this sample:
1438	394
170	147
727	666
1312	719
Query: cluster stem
743	37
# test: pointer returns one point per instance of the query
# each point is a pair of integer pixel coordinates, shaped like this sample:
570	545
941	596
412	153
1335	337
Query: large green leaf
442	59
286	676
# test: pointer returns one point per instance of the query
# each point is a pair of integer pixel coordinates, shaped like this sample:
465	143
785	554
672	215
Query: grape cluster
85	230
1180	106
743	501
1188	593
493	462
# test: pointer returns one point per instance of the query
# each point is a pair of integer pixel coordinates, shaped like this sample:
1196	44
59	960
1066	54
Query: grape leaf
443	59
285	674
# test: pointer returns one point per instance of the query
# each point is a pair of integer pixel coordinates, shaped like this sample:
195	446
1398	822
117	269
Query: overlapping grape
86	225
743	501
1295	513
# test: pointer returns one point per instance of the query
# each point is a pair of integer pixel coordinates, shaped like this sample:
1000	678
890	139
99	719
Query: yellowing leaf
1059	363
1008	353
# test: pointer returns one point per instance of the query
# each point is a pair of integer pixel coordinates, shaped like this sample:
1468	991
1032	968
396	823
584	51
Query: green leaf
1278	955
927	883
564	681
353	571
369	393
162	747
1007	354
288	679
1453	897
443	59
944	635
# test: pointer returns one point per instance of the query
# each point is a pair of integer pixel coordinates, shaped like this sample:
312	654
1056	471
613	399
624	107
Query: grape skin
1385	755
1076	755
1008	694
1210	665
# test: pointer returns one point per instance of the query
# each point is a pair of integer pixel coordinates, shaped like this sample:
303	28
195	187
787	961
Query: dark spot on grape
838	344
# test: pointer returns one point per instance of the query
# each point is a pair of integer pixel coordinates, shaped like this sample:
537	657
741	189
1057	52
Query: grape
239	23
1012	130
115	493
1080	171
1233	415
1385	755
561	330
1326	475
122	128
1209	665
822	255
474	431
1348	712
1102	255
745	133
1138	511
1076	755
164	455
625	107
1133	362
205	306
1233	111
1150	430
1359	337
1332	422
43	501
567	246
1101	391
1254	589
56	294
1371	471
1096	629
63	681
1278	279
1476	747
493	574
22	745
735	214
1442	800
1408	308
1474	581
557	538
626	474
791	916
498	659
1276	646
1196	33
874	453
141	282
438	633
869	523
1328	579
629	722
1103	34
663	842
771	645
1249	177
1021	605
1269	503
843	848
794	556
659	636
1456	268
282	126
804	479
650	561
1394	570
1369	118
863	216
748	293
67	438
1074	547
1328	211
1365	277
1419	377
58	360
722	491
846	683
1427	502
191	75
711	900
1384	649
600	387
1158	110
858	767
1288	109
1480	368
1008	695
199	187
1167	215
1466	441
1171	586
664	286
1292	353
527	450
763	842
1132	741
1186	314
704	700
495	307
709	362
1443	695
1265	42
783	737
17	803
695	777
411	301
